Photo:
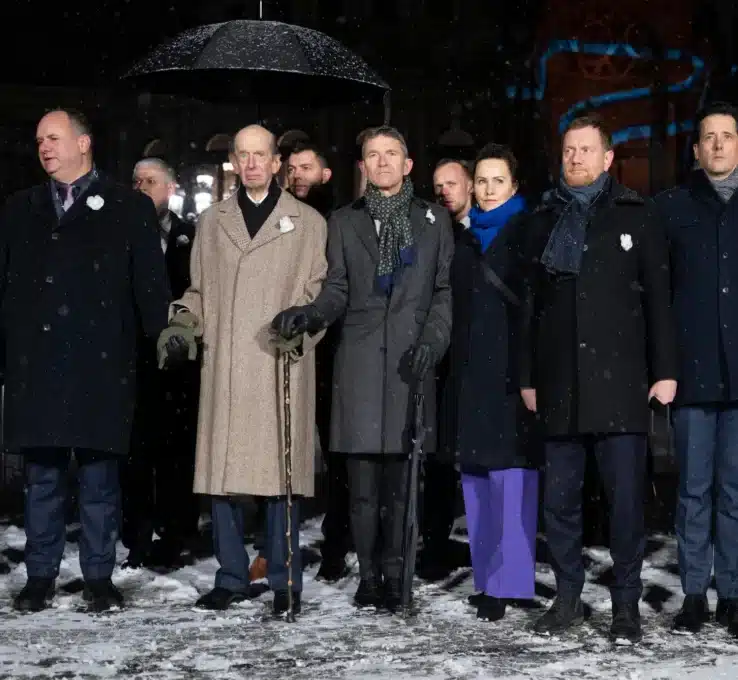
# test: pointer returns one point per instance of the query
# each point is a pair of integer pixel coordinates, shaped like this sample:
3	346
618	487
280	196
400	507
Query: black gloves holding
295	321
424	359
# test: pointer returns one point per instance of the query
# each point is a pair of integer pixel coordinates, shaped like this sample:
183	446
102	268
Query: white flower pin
626	242
95	202
285	225
183	240
430	216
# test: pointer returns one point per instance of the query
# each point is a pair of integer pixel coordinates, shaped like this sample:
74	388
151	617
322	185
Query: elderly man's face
153	181
255	158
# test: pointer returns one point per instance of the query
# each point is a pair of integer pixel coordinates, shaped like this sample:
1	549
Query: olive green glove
177	342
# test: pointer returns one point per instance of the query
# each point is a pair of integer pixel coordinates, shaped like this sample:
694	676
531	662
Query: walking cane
288	477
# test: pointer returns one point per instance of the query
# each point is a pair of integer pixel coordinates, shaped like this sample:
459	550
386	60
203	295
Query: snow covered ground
161	636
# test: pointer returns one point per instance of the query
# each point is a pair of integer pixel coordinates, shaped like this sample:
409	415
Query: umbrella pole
387	101
288	478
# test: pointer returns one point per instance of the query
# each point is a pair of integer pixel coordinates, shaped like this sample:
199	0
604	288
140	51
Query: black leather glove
295	321
424	358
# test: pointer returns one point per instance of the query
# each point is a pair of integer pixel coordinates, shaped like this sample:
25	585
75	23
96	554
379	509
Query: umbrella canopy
264	62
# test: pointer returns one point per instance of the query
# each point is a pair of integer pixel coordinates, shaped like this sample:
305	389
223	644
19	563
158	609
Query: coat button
582	345
46	327
55	236
582	296
726	289
49	279
725	256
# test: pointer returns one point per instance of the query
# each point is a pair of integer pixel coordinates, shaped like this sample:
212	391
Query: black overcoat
484	423
593	344
703	239
73	294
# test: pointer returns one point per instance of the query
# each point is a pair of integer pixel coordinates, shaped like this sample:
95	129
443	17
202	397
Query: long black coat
593	344
372	387
703	237
483	422
73	294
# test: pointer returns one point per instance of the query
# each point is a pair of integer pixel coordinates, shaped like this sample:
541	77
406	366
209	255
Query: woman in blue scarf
485	423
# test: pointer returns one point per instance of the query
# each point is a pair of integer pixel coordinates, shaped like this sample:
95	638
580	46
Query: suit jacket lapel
367	232
231	219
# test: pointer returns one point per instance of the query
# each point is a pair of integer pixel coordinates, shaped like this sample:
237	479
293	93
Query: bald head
256	158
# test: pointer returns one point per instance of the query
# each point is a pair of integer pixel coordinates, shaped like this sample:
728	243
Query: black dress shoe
101	595
281	602
692	616
566	612
36	595
491	608
135	559
393	595
167	555
369	594
476	599
219	599
626	622
332	570
726	612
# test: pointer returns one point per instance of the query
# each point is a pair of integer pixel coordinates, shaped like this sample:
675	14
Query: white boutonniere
183	240
430	216
626	242
95	202
285	225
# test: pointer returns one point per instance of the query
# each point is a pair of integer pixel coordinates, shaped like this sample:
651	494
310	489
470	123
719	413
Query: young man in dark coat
598	344
158	475
81	271
701	218
389	256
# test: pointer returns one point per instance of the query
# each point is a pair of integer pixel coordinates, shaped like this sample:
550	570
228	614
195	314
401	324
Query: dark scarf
396	245
79	187
255	215
486	225
320	197
565	247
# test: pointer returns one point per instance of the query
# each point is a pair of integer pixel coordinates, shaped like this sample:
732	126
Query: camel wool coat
238	286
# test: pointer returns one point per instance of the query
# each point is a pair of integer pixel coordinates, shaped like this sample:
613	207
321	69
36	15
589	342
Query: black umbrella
261	62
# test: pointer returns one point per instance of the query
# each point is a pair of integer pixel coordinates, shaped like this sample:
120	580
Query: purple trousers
501	518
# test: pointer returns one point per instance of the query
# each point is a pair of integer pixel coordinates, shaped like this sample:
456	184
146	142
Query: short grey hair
383	131
160	165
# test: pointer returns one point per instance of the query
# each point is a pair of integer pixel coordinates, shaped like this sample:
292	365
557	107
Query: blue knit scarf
486	225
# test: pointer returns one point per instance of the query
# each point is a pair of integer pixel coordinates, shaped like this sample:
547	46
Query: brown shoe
258	569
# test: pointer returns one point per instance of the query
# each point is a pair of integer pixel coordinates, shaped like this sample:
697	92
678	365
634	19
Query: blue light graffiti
613	50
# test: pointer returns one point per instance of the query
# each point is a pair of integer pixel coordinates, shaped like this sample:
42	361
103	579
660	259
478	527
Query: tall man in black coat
702	224
81	270
158	476
598	344
389	256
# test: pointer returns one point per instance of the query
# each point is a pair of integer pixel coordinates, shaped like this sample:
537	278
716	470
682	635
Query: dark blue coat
703	239
483	417
73	295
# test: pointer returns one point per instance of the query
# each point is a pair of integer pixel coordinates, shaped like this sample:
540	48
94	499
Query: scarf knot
486	225
396	243
565	248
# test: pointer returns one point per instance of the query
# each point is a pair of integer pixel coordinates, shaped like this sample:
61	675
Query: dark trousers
157	477
228	541
336	526
621	460
378	491
99	499
706	442
440	483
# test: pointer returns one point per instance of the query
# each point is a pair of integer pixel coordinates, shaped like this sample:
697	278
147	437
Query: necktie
69	199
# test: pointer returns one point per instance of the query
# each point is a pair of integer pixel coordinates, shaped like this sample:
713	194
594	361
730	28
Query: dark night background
450	63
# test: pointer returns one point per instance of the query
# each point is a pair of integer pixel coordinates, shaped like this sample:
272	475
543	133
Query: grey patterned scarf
726	187
396	244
